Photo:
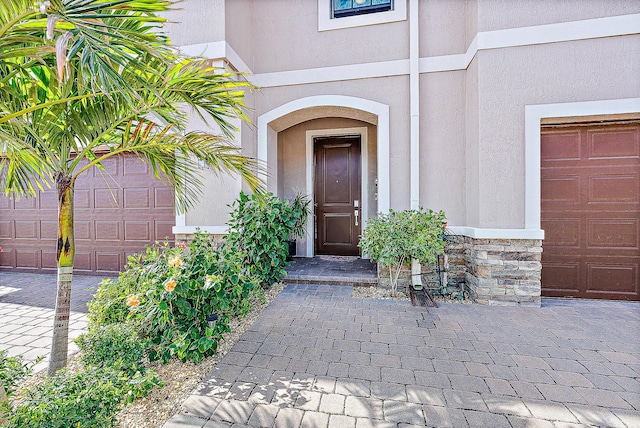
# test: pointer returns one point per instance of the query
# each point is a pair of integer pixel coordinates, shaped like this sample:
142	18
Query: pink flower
181	245
0	249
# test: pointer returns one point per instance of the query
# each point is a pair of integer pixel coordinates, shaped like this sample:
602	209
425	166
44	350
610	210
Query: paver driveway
317	357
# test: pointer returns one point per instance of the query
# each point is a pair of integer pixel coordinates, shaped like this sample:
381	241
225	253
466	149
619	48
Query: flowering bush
168	293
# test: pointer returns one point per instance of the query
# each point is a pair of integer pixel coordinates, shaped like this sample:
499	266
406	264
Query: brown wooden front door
337	195
591	211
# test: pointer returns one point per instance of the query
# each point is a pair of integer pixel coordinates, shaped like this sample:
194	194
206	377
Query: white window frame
326	21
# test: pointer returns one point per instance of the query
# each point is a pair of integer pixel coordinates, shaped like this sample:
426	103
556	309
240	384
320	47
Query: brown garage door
591	211
119	211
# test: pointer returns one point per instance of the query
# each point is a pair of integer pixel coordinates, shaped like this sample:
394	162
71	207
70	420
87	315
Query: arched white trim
533	116
266	132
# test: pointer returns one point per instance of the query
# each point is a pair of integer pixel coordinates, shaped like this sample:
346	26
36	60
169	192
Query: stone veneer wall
494	271
186	238
504	271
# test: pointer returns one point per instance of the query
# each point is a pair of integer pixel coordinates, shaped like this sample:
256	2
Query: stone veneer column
503	271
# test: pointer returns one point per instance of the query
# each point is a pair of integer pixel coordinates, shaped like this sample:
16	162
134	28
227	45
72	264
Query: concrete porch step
331	280
330	270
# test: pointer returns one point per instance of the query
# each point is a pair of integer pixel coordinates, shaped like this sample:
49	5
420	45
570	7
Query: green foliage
115	345
259	228
12	370
109	303
395	238
168	293
90	397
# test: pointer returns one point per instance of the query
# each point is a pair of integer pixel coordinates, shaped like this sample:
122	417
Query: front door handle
356	216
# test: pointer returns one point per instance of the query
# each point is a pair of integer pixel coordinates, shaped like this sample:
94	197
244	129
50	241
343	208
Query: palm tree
107	82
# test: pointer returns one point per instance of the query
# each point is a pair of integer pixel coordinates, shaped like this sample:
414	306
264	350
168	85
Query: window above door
344	8
337	14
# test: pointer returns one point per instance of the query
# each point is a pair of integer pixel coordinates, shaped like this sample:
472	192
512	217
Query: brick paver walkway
319	358
27	303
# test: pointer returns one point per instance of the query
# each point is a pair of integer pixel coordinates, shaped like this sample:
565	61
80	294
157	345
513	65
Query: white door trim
364	174
267	136
533	115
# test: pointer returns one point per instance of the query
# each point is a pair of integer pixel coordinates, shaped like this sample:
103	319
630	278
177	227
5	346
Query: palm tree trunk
65	253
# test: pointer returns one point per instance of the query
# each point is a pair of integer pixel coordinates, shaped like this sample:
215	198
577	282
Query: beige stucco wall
239	15
442	144
196	21
509	79
442	27
501	14
286	37
218	189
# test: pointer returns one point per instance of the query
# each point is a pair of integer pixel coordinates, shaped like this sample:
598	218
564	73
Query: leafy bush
12	370
109	304
168	293
395	238
116	345
259	228
88	398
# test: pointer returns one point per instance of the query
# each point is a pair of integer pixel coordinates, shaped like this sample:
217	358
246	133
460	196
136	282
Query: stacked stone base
494	271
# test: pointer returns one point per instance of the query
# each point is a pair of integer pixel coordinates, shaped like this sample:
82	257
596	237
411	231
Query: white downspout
414	96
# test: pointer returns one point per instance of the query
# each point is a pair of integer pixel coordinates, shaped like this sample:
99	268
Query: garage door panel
163	198
164	230
25	203
107	230
137	198
48	200
82	199
620	277
561	146
612	233
110	168
5	229
49	260
562	232
82	229
134	166
614	143
27	229
561	276
591	248
82	260
5	202
561	189
614	188
49	229
108	261
107	198
27	258
137	231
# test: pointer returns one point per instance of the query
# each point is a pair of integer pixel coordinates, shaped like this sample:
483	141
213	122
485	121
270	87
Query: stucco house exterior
494	111
521	120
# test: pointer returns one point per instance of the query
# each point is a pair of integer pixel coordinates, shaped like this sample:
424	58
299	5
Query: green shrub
89	398
168	292
259	229
395	238
12	370
109	304
116	345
